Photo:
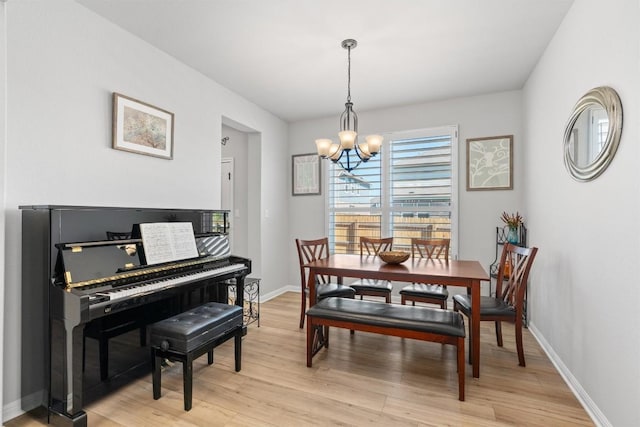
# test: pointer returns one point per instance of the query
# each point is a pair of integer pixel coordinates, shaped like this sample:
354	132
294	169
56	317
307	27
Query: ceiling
285	55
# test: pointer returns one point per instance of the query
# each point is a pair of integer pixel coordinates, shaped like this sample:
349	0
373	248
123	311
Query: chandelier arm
339	157
357	150
348	167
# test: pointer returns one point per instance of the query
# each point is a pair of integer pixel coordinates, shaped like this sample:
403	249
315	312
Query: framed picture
141	128
305	179
490	163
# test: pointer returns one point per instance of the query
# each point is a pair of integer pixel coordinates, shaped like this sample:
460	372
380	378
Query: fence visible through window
406	192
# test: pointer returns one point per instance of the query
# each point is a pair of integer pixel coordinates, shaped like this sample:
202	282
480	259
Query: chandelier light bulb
374	142
347	139
335	152
364	151
323	145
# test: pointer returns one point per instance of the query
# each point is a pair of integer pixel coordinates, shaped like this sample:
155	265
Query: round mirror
592	134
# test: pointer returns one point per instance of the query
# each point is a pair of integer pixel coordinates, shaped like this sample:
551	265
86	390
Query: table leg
311	285
475	321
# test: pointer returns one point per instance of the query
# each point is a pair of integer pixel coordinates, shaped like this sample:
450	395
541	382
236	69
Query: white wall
479	211
3	145
584	295
63	64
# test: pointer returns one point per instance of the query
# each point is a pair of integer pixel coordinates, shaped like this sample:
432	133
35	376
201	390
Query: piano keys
108	297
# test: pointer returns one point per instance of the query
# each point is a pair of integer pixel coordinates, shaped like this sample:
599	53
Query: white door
227	193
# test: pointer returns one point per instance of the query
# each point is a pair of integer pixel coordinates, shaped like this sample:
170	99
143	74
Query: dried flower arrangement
512	220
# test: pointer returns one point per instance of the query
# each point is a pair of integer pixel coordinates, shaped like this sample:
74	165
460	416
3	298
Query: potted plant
513	221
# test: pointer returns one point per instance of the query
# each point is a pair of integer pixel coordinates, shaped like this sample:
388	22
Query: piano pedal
166	363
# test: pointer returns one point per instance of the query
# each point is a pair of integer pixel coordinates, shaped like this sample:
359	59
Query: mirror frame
607	98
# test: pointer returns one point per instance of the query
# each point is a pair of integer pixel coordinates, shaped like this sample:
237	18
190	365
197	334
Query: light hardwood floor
362	379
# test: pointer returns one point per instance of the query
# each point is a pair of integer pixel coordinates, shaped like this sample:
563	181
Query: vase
512	235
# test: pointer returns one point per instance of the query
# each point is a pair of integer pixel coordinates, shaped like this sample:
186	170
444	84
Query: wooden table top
414	270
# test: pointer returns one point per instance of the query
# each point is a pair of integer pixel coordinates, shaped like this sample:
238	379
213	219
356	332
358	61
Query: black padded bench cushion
422	319
489	306
421	289
189	330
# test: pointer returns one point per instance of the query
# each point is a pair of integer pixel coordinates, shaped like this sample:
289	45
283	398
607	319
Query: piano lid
94	263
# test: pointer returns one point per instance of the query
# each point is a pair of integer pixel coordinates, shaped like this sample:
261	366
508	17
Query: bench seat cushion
372	285
327	290
422	319
187	331
489	306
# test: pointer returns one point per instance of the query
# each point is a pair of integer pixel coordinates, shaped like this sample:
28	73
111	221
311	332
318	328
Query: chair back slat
513	274
430	248
373	246
312	250
118	235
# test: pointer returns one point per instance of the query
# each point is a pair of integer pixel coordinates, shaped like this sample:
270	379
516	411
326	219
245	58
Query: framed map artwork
490	163
305	174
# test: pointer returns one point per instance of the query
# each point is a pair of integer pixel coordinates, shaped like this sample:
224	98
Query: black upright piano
83	275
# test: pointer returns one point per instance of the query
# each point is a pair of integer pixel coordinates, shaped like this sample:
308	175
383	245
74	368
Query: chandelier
348	153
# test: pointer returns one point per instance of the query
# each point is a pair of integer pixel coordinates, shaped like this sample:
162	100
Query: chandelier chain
349	74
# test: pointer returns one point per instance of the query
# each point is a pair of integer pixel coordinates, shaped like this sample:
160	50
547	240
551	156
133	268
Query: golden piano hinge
133	274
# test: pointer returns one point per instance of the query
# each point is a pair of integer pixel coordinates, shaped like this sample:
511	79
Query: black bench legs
158	354
189	335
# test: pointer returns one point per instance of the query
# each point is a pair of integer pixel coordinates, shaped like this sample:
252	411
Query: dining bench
416	322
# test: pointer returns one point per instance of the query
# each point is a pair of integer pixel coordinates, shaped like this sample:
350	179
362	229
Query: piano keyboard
127	292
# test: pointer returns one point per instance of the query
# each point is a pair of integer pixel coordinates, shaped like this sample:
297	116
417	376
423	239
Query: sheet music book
168	241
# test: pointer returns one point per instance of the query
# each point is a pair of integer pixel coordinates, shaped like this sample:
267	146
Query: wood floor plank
362	379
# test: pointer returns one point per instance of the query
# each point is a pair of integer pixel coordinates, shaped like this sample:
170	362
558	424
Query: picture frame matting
305	174
142	128
490	163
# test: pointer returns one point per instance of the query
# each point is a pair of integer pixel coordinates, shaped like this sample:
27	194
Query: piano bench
189	335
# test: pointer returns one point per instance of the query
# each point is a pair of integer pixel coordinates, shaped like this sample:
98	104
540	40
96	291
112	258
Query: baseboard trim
589	405
266	297
18	407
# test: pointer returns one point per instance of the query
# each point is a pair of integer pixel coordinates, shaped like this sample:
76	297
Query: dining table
462	273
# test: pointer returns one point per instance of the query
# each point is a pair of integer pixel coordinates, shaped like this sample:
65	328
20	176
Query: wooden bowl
394	257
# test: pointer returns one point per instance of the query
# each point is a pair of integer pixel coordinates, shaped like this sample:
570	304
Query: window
408	191
599	130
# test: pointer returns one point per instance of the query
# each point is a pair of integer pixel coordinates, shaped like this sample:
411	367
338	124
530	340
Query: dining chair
311	250
430	249
508	304
118	235
373	287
